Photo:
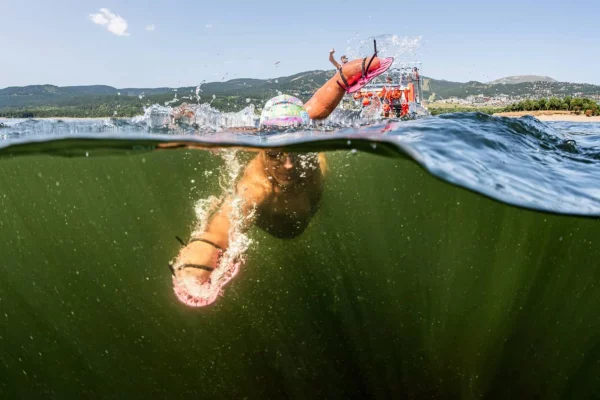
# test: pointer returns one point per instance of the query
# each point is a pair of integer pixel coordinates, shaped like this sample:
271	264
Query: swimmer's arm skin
217	230
253	192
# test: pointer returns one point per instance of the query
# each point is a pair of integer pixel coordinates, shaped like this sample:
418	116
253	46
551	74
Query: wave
550	167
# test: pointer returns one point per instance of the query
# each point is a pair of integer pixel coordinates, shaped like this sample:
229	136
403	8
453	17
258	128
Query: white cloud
208	26
114	23
150	27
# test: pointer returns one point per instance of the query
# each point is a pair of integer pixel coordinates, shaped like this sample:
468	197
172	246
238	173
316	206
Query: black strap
345	86
198	266
216	246
364	73
198	240
369	64
372	58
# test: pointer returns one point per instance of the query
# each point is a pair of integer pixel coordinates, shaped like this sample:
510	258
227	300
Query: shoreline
550	116
556	116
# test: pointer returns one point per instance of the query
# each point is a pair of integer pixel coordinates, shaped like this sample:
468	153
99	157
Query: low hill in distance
512	80
233	95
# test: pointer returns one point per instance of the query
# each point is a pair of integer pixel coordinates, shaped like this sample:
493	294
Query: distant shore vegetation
124	109
441	108
576	105
118	107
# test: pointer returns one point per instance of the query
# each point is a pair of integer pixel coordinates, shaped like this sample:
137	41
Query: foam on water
230	261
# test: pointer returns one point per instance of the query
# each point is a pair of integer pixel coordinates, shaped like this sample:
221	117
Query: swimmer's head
284	111
287	168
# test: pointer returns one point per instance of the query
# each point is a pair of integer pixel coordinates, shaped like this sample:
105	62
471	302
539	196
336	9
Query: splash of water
200	116
230	261
372	112
403	49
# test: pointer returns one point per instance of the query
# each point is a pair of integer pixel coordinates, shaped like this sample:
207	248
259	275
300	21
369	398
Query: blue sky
58	42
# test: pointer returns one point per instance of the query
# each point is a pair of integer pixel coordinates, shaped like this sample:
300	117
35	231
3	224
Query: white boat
398	93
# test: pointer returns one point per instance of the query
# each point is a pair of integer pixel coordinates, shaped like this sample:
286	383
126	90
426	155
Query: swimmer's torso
287	214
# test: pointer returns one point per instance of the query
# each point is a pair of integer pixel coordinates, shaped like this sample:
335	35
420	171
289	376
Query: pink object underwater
194	293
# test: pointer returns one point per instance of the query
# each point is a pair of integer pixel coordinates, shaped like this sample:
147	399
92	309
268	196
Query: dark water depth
404	285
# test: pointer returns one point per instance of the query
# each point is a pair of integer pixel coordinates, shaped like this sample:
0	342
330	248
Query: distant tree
543	104
554	103
576	104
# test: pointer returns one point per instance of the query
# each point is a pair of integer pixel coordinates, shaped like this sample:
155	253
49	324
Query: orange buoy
404	109
410	96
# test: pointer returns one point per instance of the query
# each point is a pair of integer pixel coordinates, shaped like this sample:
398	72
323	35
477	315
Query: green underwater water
402	286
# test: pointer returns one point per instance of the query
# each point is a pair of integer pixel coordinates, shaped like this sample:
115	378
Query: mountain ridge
234	94
515	79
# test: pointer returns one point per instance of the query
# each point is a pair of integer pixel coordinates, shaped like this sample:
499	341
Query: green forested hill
232	95
445	89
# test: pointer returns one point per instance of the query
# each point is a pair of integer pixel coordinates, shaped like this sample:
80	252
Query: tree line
577	105
130	107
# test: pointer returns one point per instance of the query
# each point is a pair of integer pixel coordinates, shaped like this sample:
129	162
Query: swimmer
279	191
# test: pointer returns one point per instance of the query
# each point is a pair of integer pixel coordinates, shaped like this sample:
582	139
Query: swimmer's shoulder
254	183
